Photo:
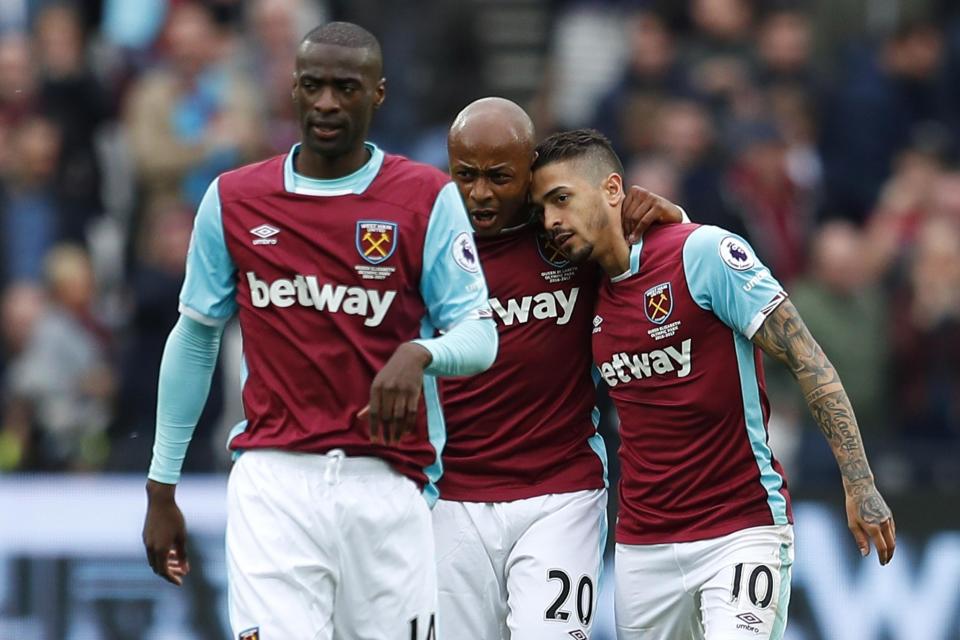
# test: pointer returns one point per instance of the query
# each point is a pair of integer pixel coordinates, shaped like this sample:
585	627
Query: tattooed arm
785	337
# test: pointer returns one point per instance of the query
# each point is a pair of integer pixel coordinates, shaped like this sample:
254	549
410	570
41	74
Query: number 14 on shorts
430	626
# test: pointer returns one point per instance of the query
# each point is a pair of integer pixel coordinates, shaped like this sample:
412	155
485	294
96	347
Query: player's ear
380	93
613	189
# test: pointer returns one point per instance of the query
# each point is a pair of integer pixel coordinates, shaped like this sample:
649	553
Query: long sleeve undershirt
186	371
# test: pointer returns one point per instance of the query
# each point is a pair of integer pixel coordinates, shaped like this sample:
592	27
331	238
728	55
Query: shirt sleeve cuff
763	314
203	319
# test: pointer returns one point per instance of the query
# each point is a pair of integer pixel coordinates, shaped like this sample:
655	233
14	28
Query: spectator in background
794	114
720	52
76	102
784	51
876	111
945	200
657	174
903	203
776	210
926	315
21	306
18	85
29	206
193	117
652	75
792	93
61	386
685	134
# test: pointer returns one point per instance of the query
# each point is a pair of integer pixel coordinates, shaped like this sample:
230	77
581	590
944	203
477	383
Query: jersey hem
404	467
510	494
624	537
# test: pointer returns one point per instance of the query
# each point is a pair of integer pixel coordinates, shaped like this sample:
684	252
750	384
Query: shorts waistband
334	461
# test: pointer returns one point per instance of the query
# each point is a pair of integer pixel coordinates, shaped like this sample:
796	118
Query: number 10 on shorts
759	585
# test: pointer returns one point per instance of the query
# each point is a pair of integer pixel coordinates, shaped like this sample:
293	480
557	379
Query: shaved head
349	35
494	122
491	145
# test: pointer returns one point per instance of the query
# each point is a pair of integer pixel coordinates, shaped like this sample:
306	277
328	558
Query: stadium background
826	131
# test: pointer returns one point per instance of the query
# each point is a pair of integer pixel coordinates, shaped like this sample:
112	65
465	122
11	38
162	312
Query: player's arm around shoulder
642	209
784	336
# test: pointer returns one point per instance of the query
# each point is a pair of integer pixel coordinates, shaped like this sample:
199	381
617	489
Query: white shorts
728	588
521	570
325	546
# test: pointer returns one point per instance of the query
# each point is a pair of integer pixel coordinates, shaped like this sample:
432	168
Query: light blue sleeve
452	283
186	371
470	347
454	290
209	288
724	276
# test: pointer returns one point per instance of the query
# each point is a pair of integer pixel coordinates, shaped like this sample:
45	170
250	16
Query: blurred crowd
827	133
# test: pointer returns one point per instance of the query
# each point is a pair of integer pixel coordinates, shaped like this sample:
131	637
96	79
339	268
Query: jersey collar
634	263
355	183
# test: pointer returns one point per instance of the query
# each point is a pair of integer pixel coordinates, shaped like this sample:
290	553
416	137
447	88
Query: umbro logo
749	618
597	321
578	635
265	234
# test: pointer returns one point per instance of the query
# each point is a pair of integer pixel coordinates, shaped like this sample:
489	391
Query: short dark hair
588	144
346	34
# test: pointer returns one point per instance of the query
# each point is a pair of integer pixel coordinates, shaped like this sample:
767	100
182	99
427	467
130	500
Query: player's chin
486	223
578	253
329	147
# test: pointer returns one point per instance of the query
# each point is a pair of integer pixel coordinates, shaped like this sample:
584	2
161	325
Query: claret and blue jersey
672	340
328	277
528	426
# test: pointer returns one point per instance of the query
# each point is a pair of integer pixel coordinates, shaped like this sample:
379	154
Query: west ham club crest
550	252
376	240
658	303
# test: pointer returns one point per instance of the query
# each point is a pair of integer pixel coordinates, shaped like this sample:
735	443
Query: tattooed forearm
785	337
856	470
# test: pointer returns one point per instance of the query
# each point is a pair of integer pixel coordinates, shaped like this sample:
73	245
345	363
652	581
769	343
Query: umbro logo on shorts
749	618
579	635
250	634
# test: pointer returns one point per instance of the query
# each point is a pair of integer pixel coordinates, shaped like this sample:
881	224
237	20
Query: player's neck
313	165
615	259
